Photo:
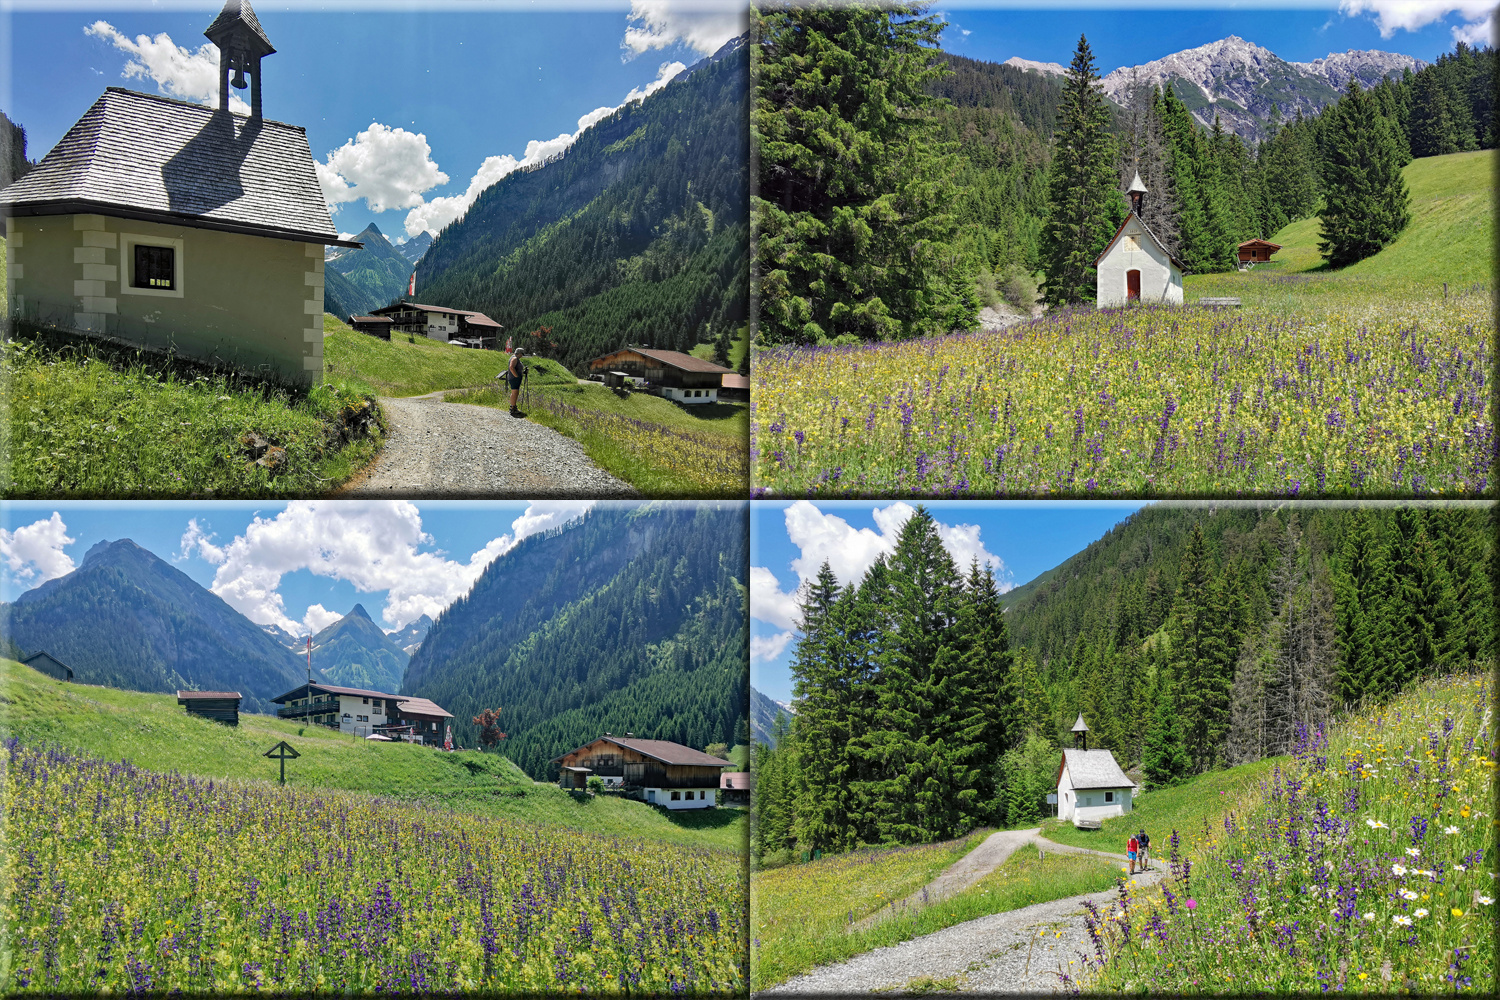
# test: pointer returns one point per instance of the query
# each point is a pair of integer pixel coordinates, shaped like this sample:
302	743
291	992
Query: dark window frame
154	267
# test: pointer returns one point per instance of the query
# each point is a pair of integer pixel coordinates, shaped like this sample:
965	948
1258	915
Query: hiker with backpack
1144	853
1132	847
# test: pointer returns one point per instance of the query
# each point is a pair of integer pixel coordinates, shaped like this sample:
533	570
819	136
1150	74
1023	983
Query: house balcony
300	711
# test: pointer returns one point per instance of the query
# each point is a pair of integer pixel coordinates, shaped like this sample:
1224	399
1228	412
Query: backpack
1145	840
1133	845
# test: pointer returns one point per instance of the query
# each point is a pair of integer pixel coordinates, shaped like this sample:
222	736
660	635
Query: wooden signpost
283	753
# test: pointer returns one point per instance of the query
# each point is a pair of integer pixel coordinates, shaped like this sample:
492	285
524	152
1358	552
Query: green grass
802	915
1366	866
1449	239
86	418
661	448
416	366
1188	808
154	732
738	345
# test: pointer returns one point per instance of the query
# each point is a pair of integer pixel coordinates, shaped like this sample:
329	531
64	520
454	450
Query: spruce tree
1366	204
1164	758
1084	206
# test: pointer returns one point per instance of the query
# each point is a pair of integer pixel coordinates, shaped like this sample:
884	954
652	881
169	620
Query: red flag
448	739
411	288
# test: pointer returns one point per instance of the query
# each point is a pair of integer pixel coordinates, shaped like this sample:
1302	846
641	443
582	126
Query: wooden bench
1206	300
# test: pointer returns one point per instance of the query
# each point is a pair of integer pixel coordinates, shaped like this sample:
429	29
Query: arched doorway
1132	286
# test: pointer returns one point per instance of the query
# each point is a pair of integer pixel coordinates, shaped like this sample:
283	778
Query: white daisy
1420	914
1401	921
1413	852
1375	824
1485	900
1460	868
1450	830
1408	894
1369	916
1398	870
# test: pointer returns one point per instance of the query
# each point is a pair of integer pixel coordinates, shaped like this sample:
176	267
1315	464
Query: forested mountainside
629	621
1189	638
638	233
378	274
765	716
355	652
126	619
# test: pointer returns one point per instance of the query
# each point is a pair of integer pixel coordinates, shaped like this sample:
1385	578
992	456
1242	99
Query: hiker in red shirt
1130	851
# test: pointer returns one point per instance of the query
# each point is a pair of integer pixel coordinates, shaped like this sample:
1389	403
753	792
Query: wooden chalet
677	376
472	329
48	664
375	326
656	771
1256	252
360	712
735	387
220	706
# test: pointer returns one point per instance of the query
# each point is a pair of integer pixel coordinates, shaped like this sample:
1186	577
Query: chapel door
1132	286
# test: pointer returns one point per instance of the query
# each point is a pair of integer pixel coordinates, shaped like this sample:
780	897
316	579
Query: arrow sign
283	753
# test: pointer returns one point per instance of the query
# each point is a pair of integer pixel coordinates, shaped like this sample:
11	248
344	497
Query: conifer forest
1190	637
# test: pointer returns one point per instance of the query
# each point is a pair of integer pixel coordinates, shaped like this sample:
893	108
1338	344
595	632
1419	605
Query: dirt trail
440	449
1020	951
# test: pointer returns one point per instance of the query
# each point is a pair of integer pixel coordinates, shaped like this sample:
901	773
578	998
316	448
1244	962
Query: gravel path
1021	951
439	449
959	876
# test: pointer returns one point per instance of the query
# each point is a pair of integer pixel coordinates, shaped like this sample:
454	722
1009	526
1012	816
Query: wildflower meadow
119	879
1346	396
1368	864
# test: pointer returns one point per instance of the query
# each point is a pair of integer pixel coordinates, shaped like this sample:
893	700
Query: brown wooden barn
677	376
657	771
1256	251
375	326
220	706
48	664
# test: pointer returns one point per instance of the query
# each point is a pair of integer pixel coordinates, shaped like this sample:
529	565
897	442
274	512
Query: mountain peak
358	611
105	547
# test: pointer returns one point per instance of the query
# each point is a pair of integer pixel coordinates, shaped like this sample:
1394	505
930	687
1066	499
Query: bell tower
242	43
1137	192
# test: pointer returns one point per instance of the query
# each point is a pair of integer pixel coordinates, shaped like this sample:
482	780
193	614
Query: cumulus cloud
318	618
197	540
387	167
765	649
34	552
699	24
1392	16
177	72
432	215
850	552
374	546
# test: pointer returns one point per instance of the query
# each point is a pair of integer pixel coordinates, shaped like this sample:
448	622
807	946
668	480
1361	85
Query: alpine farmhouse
358	712
660	772
1135	266
176	227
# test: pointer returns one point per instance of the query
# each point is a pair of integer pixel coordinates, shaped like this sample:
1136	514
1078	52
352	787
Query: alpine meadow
934	238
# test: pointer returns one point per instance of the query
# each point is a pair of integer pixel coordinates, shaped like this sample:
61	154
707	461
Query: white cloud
702	26
1413	15
198	541
768	602
387	167
34	553
374	546
318	618
433	215
176	71
765	649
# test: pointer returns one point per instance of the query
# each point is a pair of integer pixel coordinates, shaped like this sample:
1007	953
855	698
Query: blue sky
1121	35
478	83
301	565
790	541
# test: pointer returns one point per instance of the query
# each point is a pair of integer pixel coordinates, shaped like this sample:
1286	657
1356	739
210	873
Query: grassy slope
1188	808
737	348
801	914
1449	239
154	732
399	367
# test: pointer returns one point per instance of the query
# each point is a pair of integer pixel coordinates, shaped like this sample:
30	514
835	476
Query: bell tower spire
242	43
1137	192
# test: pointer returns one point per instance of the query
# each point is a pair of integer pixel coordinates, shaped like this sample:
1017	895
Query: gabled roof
1260	243
472	317
1093	769
43	654
371	319
736	780
1079	726
196	695
421	706
141	156
333	689
663	750
672	359
1160	246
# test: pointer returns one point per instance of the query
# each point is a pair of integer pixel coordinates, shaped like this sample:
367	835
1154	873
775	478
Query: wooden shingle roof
142	156
1093	769
664	751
